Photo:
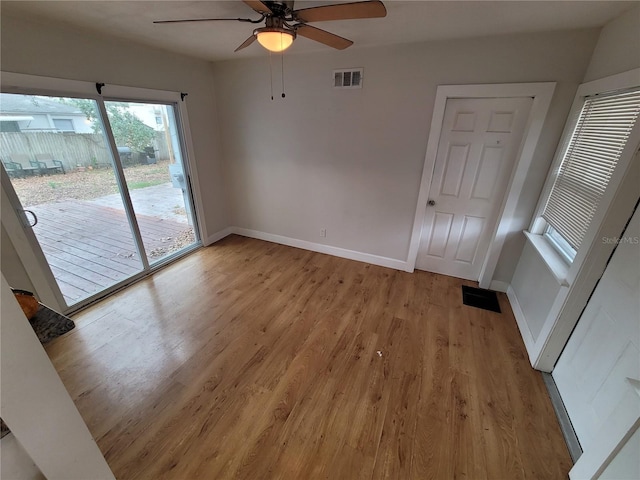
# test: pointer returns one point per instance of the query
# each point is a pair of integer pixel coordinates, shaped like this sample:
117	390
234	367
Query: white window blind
601	134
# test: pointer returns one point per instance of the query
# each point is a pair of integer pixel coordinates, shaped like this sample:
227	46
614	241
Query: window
589	159
9	126
63	124
566	251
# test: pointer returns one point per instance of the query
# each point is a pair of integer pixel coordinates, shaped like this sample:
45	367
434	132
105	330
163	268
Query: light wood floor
257	361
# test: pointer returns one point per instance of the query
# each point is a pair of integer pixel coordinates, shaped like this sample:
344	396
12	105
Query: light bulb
275	40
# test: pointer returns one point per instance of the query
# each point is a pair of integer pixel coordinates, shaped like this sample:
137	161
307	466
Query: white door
603	352
477	149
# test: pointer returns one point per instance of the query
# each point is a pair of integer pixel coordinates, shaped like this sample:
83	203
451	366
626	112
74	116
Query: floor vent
479	298
348	78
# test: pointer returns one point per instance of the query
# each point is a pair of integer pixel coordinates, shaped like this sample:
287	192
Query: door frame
31	254
24	240
542	93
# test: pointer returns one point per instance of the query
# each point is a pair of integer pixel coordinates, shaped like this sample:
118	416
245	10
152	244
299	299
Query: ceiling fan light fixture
274	39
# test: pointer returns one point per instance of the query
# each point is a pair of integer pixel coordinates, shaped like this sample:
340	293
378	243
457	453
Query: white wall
36	406
535	300
43	48
12	267
350	161
16	463
618	48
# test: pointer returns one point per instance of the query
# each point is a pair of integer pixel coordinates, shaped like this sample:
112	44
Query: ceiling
406	22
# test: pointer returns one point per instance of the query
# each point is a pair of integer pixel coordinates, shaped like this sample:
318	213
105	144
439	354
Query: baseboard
498	286
320	248
569	434
217	236
521	320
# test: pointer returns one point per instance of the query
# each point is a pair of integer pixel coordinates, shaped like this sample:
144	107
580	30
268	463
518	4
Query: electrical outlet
323	232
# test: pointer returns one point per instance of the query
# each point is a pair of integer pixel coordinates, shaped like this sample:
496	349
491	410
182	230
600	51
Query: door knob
431	203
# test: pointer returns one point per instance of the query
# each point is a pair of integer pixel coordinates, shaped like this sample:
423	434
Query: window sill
552	259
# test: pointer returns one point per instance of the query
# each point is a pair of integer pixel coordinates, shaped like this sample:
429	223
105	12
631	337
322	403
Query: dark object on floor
479	298
49	324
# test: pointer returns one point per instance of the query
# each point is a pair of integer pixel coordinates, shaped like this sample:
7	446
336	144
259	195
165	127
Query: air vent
348	78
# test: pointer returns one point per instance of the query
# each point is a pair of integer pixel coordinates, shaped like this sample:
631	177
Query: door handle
26	222
431	203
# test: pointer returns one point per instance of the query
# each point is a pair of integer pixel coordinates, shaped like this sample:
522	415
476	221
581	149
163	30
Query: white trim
542	94
521	320
216	237
189	158
320	248
552	259
498	286
127	93
19	82
537	351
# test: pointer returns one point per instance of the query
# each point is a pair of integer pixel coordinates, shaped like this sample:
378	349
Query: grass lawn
86	185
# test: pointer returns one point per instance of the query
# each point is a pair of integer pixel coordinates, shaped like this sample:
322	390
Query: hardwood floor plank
395	451
252	360
494	392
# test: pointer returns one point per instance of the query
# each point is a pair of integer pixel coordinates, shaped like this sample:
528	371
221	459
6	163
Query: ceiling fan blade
209	20
344	11
258	6
246	43
323	36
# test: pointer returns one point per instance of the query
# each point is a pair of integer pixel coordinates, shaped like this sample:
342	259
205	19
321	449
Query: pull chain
282	56
271	74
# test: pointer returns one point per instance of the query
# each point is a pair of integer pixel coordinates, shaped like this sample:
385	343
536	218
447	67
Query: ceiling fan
283	23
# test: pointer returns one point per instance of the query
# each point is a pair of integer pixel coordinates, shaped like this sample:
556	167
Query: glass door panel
56	155
149	148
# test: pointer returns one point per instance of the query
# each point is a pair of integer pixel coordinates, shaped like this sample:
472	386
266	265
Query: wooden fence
73	149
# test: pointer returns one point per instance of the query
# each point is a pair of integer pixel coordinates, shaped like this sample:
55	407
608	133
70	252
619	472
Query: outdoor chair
45	157
42	167
19	158
14	170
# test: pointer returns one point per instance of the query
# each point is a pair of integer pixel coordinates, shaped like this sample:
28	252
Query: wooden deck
90	247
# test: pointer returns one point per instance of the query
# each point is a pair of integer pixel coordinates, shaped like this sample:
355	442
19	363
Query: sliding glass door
102	186
148	143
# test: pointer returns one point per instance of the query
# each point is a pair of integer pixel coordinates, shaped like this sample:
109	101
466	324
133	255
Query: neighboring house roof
10	103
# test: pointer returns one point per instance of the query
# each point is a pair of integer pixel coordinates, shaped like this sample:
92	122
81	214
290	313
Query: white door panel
603	350
476	153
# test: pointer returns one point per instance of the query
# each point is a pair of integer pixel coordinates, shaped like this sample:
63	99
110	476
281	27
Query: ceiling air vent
347	78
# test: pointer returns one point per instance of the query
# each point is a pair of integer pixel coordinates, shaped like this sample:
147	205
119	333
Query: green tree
128	130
